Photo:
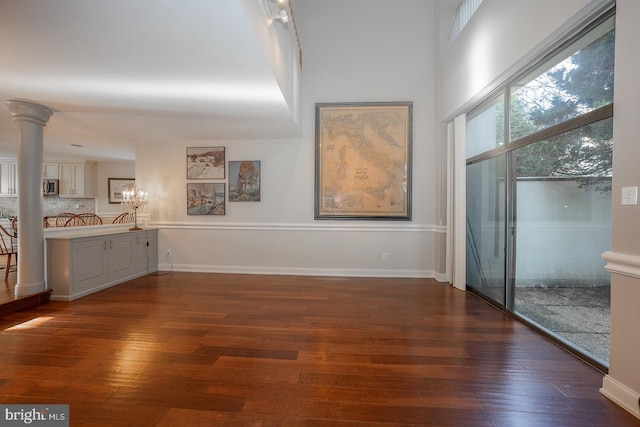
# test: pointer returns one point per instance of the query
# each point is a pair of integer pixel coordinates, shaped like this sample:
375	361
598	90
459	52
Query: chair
9	250
62	218
90	219
14	224
74	221
124	217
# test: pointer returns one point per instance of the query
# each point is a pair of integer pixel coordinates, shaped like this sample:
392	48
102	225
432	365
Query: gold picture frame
363	160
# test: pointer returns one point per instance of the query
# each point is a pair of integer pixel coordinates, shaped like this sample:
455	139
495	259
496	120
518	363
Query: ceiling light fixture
281	16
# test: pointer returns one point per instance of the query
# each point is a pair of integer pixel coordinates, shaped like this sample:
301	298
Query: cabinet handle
105	245
110	245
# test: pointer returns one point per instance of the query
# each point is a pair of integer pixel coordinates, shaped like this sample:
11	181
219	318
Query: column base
23	289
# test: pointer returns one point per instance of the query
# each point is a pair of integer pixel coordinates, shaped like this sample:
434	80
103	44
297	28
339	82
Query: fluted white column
30	119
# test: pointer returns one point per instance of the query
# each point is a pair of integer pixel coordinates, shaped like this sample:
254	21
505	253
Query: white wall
104	171
559	243
385	54
501	37
280	44
623	382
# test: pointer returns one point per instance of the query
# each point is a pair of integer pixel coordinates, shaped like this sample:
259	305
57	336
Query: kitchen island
84	260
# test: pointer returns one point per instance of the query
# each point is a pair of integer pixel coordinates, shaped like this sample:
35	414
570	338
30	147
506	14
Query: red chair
75	221
123	218
90	219
62	218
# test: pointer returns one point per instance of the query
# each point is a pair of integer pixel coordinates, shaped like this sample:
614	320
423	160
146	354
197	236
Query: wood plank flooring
190	349
10	303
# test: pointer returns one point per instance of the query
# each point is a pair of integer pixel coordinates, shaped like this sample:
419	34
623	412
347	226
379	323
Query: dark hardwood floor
10	303
190	349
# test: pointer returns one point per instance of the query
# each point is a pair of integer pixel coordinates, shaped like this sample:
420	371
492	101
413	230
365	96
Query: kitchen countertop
87	231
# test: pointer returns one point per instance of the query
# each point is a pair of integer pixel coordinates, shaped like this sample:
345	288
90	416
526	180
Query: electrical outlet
629	195
385	256
168	251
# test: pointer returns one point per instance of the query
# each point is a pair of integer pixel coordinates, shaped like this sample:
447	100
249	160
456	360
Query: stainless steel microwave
50	186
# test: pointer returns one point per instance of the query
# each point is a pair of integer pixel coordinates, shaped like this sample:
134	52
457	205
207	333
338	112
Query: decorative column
31	119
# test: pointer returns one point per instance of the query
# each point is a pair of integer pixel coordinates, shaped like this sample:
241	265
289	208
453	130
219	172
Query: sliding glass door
562	228
539	194
486	229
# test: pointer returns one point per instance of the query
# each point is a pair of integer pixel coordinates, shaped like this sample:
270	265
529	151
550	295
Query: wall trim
440	277
385	227
621	395
292	271
624	264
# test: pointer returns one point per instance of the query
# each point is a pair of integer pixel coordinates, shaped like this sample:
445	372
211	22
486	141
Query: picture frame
244	181
206	198
117	186
206	162
363	160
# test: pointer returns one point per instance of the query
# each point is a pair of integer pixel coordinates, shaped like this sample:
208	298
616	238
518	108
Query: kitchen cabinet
79	265
50	170
146	252
8	178
77	179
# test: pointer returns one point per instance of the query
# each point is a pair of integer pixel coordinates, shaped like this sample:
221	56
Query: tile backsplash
52	205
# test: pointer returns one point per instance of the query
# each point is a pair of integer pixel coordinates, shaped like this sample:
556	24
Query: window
465	11
539	204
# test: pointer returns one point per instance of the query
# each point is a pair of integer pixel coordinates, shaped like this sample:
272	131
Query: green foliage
580	84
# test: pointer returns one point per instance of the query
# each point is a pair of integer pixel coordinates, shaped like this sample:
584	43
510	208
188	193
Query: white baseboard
291	271
621	395
440	277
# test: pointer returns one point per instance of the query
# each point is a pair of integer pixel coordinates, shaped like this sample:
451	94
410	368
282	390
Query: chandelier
133	200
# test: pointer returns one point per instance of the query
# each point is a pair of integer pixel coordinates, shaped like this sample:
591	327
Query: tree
581	83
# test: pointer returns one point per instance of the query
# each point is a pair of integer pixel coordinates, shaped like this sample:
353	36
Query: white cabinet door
88	264
8	178
120	262
50	170
146	251
79	266
77	179
71	180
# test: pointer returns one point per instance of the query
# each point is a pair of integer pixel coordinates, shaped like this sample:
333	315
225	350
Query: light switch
629	195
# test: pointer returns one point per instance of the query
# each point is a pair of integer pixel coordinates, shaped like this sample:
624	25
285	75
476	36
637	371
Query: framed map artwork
363	161
205	163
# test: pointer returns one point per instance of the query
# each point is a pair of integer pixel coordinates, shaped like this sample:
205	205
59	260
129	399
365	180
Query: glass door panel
563	211
486	228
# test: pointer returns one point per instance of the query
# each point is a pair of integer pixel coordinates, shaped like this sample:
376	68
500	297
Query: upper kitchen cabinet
8	178
50	170
77	179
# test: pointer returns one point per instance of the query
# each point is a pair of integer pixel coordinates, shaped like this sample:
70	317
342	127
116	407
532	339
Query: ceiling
118	73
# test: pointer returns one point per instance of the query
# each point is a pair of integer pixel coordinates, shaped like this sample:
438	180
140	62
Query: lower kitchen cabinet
81	265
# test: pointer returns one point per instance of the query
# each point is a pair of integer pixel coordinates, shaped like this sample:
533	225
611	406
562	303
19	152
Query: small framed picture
205	163
205	198
117	186
244	181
